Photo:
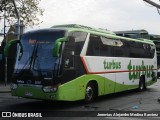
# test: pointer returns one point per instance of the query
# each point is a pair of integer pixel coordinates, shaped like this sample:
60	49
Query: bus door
68	60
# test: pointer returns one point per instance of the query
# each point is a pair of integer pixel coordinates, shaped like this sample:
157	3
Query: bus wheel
142	85
90	94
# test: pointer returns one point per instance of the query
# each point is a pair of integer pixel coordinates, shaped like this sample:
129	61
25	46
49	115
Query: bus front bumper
63	92
32	92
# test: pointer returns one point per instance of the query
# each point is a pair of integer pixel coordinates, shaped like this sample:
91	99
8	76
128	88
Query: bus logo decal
137	70
112	65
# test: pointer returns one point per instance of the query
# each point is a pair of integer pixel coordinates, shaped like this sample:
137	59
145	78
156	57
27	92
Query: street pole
18	16
5	41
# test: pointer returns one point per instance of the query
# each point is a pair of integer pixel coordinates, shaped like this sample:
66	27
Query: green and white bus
75	62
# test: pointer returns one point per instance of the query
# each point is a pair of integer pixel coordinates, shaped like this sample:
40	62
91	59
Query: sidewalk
4	89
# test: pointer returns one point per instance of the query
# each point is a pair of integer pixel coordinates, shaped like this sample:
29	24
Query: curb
5	91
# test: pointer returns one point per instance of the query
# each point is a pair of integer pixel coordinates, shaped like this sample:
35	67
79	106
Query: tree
154	4
29	11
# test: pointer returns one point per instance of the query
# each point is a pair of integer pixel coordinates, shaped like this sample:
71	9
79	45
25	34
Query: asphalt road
122	102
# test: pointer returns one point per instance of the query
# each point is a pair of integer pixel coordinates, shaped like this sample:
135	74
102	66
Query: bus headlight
13	86
49	89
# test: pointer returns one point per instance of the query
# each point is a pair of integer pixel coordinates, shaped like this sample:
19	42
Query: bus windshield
35	51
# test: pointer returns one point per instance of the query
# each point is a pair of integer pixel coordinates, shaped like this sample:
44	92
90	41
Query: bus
75	62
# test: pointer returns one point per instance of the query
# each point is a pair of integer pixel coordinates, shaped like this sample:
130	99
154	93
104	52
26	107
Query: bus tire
142	85
90	92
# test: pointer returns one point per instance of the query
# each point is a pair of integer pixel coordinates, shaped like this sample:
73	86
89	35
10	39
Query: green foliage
29	11
9	45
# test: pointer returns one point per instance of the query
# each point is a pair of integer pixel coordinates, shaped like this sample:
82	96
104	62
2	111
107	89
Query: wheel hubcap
89	93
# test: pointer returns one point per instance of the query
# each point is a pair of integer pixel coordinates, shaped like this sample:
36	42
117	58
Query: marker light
49	89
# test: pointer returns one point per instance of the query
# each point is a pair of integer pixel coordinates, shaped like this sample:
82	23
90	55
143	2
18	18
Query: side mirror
9	45
57	46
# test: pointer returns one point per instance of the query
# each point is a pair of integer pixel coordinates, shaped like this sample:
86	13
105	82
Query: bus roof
76	27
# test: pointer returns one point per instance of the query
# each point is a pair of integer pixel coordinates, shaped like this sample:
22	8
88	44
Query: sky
114	15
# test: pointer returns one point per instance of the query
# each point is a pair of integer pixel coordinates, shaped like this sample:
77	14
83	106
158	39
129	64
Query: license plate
28	94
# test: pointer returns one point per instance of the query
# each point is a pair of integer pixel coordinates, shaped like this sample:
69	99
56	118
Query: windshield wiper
34	55
20	51
31	58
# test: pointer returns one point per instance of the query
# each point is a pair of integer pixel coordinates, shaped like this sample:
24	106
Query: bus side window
152	51
136	49
94	46
80	38
107	47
